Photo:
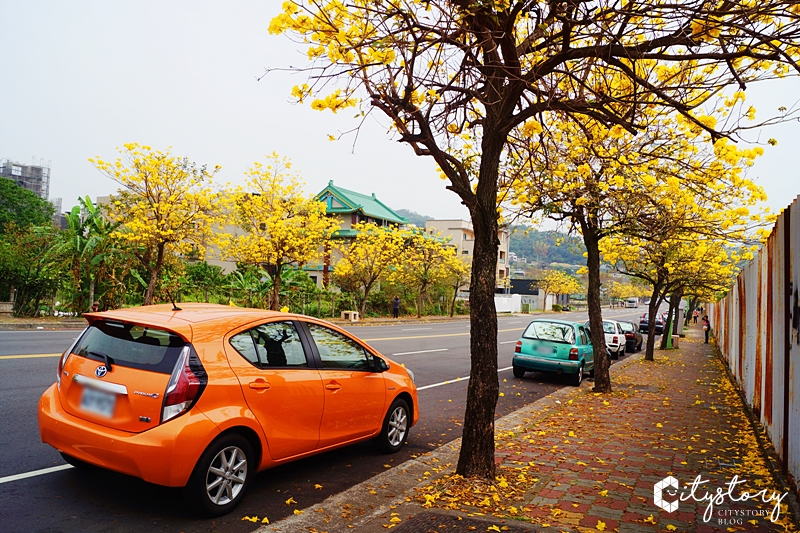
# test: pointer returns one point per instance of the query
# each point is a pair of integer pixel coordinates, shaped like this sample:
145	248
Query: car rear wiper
105	357
535	336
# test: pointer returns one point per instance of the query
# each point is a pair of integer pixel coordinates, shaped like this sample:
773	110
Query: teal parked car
555	346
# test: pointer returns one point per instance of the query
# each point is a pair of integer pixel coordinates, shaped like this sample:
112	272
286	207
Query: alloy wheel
398	424
226	475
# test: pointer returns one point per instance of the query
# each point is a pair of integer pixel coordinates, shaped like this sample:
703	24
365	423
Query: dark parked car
633	339
644	324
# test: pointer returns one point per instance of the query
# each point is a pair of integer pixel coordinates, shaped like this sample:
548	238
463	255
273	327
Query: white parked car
615	338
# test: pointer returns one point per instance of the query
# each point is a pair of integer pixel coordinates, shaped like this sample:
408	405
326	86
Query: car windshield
550	331
131	346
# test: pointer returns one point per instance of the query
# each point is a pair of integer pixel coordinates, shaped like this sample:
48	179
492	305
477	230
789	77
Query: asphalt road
72	500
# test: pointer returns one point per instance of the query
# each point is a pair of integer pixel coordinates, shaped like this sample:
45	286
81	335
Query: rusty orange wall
757	329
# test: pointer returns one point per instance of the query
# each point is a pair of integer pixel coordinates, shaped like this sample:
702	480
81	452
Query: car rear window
608	327
550	331
626	326
131	346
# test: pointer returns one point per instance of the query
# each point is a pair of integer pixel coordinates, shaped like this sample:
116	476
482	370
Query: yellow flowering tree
676	265
279	225
457	275
425	262
374	254
165	206
557	282
604	181
457	77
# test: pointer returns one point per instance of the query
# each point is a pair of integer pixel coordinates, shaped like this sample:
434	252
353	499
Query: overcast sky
80	78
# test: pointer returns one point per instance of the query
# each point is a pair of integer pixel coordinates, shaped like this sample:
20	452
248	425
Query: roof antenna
172	300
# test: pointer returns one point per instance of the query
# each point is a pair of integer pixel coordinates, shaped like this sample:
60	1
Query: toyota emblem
100	371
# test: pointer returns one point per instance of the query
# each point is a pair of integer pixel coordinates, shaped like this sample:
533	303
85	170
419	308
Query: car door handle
260	384
333	386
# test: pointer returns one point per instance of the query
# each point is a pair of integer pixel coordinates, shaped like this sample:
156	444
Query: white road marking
514	322
414	329
449	381
34	473
507	342
421	351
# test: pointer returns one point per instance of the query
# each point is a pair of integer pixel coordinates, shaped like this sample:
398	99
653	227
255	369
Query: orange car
206	396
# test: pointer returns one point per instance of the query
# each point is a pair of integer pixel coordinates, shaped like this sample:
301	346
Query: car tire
221	476
395	427
614	355
577	377
639	346
519	372
77	463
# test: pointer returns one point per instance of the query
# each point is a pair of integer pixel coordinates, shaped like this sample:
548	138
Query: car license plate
98	402
545	350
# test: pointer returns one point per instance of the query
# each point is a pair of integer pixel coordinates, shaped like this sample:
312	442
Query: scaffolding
34	177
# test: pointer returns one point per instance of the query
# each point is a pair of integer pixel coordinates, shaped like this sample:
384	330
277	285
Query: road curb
48	326
363	506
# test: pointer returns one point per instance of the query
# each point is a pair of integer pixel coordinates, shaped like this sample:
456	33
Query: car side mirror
377	364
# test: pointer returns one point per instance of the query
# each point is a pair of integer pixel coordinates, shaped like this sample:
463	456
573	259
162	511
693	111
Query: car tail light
629	335
518	347
615	340
573	354
62	362
186	384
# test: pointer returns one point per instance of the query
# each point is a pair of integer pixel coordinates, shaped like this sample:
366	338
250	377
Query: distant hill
545	247
414	217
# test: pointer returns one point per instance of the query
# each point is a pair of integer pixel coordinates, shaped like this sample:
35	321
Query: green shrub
556	308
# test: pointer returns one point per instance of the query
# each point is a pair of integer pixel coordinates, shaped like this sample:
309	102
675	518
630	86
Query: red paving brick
657	423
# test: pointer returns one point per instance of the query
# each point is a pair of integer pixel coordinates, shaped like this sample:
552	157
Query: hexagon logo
658	494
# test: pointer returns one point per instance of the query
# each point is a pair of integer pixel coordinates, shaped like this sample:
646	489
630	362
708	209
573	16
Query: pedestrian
706	326
695	315
396	306
95	307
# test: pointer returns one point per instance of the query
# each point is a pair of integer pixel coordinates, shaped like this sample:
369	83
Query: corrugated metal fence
757	328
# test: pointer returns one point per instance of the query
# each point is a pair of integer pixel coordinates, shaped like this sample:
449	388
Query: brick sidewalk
580	461
591	464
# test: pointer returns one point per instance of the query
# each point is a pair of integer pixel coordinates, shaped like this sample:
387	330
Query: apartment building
462	236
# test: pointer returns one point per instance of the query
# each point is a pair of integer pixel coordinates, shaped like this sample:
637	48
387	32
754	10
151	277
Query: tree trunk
672	316
154	272
477	446
453	303
652	310
363	304
419	304
690	310
91	291
276	288
602	363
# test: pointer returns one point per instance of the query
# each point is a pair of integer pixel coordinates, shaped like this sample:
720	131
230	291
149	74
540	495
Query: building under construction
35	178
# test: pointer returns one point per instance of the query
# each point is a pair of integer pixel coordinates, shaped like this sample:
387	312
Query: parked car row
644	323
563	347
